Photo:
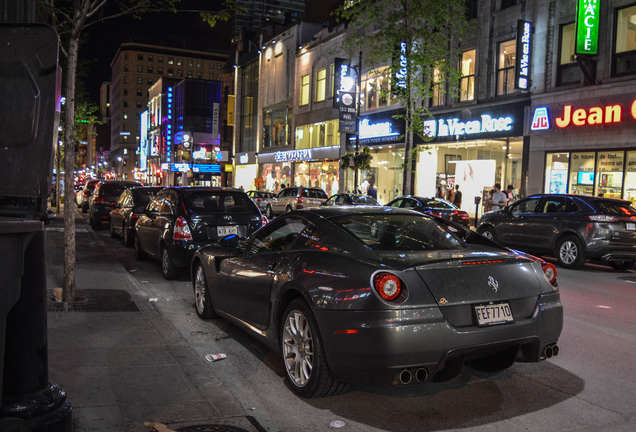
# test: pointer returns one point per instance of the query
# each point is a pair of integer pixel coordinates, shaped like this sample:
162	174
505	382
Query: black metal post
359	94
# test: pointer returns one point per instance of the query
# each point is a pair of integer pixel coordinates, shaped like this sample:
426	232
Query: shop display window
609	176
630	177
556	175
583	162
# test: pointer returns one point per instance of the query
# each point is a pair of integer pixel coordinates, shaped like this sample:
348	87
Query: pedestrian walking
457	197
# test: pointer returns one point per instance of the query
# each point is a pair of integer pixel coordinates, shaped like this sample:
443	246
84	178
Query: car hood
483	275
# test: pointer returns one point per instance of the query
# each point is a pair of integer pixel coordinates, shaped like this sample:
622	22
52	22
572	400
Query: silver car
295	198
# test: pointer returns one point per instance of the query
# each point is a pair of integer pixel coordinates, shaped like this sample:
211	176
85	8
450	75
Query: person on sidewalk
457	198
499	199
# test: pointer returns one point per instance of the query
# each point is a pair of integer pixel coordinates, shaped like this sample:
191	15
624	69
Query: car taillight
388	285
462	214
299	202
601	218
181	230
99	199
264	220
549	271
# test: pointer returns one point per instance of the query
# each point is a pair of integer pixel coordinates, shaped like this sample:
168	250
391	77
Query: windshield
219	202
389	232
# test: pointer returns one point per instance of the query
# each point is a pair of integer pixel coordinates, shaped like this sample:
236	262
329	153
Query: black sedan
377	295
104	198
573	228
432	206
129	206
350	199
179	220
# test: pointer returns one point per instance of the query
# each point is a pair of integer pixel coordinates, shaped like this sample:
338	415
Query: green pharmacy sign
587	22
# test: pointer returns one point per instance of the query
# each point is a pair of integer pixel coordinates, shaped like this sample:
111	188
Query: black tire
304	359
268	212
569	252
168	270
488	232
129	236
140	254
96	225
621	265
112	230
84	208
202	298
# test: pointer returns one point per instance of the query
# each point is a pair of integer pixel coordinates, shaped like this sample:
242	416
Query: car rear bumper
373	347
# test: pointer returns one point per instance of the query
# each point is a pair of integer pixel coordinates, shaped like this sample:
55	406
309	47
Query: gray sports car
377	295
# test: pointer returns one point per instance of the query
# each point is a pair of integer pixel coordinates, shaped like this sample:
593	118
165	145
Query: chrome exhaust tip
405	376
550	351
421	374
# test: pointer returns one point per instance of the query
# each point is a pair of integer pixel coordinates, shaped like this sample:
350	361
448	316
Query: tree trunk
69	173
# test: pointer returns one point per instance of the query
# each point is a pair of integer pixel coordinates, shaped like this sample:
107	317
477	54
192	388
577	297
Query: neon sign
375	130
587	24
522	66
540	120
569	115
292	155
169	126
455	127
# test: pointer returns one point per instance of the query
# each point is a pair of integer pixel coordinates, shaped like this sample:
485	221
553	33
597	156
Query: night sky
180	30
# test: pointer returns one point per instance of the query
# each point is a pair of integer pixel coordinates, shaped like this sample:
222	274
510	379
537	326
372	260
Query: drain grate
95	300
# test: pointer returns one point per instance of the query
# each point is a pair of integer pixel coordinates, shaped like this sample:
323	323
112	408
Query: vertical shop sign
587	24
230	110
524	55
215	120
346	96
401	69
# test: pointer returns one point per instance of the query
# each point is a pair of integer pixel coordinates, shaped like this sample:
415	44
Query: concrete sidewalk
120	362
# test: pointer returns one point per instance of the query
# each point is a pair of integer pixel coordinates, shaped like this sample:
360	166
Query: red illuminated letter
596	116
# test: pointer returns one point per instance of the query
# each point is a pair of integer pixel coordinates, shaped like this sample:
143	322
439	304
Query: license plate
630	226
493	314
223	231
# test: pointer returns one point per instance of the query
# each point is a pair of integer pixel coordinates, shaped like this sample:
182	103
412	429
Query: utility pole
359	97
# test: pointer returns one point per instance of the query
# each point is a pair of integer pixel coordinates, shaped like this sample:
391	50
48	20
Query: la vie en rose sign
583	114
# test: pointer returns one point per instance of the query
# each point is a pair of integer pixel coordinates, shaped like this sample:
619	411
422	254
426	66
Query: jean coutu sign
470	124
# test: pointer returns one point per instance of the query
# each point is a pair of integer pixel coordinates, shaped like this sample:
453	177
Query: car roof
586	198
203	188
333	211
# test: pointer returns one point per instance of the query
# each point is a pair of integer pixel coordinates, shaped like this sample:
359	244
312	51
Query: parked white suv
294	198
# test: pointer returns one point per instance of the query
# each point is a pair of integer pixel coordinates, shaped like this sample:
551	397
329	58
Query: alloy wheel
298	348
568	252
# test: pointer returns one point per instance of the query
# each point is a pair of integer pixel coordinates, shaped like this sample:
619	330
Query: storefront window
385	173
582	173
556	172
320	174
630	177
609	177
275	175
323	134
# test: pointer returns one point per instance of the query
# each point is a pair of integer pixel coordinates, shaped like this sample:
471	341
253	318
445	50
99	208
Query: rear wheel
288	209
621	265
128	235
112	231
569	252
304	358
168	270
202	299
268	212
95	224
488	232
139	253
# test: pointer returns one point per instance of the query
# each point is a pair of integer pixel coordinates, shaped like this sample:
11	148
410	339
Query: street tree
71	18
411	44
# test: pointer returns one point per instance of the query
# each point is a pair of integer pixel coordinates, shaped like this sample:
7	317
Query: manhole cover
212	428
95	300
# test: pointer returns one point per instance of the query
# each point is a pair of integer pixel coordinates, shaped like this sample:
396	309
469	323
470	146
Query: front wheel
569	253
202	298
304	358
488	232
140	254
128	235
269	213
168	270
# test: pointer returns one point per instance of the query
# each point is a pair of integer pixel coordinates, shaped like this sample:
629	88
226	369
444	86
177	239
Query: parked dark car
129	206
432	206
104	198
84	196
572	228
294	198
179	220
261	198
350	199
377	295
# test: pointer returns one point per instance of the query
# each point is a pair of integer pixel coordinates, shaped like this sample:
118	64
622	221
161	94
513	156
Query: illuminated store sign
444	127
292	155
584	113
523	59
587	24
197	168
345	97
169	132
376	130
401	74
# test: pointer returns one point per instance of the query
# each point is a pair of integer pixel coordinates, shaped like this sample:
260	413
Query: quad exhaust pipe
407	376
550	351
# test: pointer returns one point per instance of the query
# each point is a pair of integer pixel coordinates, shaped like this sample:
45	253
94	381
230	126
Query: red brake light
99	199
181	230
264	220
549	271
388	285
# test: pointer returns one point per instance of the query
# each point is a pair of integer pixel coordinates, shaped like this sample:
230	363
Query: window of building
467	82
150	69
248	103
125	104
189	74
140	68
332	68
160	59
211	76
304	90
138	92
472	7
506	68
569	71
124	127
160	70
375	90
438	95
149	82
125	80
508	3
211	65
199	63
179	62
151	57
125	116
624	59
139	80
190	62
125	68
170	60
179	73
276	125
218	65
125	56
170	72
199	75
140	57
321	85
125	92
323	134
138	104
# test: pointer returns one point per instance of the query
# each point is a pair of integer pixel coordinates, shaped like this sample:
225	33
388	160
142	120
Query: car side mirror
230	242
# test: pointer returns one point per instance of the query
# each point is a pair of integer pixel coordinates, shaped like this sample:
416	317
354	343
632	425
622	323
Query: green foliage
229	9
360	160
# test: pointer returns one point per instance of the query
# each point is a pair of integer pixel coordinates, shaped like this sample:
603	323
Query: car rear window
437	204
614	208
399	232
363	200
315	193
219	202
112	190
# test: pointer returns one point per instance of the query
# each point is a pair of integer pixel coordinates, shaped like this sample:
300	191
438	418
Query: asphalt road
589	386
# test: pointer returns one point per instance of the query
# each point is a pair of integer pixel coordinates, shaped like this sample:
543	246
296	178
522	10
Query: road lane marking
603	307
